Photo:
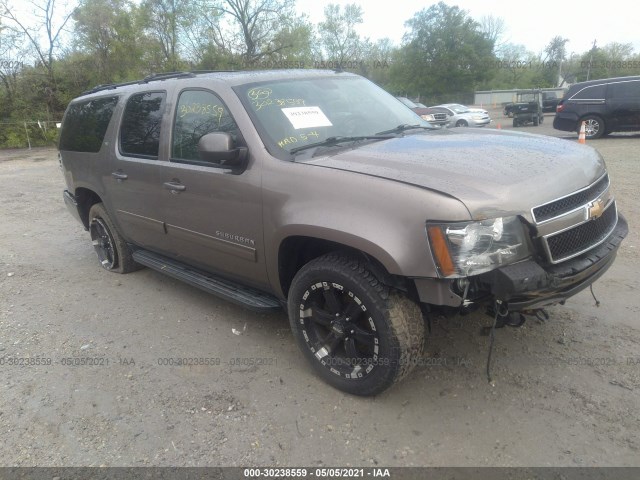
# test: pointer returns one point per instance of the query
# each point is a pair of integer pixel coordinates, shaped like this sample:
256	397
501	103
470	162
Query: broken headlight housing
463	249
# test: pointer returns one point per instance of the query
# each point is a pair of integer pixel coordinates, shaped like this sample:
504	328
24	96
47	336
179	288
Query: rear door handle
119	175
174	187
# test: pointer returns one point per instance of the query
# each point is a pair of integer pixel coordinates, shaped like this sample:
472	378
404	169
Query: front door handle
119	175
174	187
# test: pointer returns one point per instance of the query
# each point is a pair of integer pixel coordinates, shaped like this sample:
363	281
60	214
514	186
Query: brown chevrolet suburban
319	192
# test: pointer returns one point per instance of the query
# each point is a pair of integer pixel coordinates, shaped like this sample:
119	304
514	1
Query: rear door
213	215
624	104
133	187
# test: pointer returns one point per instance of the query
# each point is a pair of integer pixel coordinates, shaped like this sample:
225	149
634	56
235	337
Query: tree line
50	53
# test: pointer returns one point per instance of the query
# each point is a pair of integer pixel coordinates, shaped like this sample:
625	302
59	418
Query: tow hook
516	319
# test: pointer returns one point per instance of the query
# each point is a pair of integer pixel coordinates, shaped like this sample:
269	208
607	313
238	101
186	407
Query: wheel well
590	115
295	252
86	199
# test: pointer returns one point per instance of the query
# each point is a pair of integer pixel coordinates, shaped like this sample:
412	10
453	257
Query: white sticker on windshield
306	117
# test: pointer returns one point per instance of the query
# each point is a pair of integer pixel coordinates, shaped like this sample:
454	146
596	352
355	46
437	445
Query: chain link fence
29	133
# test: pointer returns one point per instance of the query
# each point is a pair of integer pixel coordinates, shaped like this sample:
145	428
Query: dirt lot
567	391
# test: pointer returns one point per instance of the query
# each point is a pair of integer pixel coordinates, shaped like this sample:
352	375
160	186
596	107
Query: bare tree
494	28
42	31
338	35
256	25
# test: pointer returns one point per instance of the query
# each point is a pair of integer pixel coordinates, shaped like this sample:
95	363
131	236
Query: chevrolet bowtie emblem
595	209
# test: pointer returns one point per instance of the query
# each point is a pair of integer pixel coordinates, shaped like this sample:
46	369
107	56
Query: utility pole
593	48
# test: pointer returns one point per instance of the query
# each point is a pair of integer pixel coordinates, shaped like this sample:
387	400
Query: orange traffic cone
499	126
582	134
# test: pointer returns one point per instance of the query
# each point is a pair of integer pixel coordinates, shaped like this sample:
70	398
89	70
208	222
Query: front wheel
359	336
462	123
113	252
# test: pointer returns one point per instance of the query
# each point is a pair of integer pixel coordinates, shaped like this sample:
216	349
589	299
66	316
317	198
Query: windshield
526	97
407	102
459	108
293	113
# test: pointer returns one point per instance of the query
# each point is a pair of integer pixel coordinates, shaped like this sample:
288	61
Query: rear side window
625	90
594	92
85	124
141	121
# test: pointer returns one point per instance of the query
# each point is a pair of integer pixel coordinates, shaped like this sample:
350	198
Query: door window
140	129
625	90
199	112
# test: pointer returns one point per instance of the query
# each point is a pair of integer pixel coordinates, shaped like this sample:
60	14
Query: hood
493	173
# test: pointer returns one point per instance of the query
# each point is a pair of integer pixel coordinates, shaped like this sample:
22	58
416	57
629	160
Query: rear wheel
594	126
113	252
360	336
462	123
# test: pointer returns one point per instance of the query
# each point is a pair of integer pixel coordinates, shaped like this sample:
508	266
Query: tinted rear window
85	124
594	92
140	129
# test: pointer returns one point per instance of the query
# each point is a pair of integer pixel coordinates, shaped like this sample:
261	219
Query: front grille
573	242
440	117
571	202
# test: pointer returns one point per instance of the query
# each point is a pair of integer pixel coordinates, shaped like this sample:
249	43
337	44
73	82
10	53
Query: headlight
477	117
469	248
428	117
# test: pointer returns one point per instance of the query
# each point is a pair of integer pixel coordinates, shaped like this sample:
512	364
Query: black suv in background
607	105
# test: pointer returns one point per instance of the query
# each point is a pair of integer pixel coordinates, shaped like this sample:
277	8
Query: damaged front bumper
527	285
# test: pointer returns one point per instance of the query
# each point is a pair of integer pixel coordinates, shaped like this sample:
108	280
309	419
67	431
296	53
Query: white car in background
462	116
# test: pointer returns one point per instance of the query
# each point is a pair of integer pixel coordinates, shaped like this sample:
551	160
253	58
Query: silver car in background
462	116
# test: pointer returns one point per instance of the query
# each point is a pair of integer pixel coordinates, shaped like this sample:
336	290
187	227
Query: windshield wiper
331	141
403	127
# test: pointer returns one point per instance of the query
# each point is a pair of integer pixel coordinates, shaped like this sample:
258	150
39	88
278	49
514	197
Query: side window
140	129
198	112
625	90
85	124
594	92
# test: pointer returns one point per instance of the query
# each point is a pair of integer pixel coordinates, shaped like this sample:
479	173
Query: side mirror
217	147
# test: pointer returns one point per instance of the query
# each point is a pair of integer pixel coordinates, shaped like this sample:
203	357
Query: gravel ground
566	393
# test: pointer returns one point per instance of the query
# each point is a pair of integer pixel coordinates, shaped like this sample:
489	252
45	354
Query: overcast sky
529	23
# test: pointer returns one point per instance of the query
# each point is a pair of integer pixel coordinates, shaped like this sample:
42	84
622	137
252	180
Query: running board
223	288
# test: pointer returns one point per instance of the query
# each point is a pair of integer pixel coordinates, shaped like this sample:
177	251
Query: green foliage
339	40
107	31
444	53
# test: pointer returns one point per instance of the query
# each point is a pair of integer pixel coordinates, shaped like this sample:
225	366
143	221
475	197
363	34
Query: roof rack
107	86
165	76
154	77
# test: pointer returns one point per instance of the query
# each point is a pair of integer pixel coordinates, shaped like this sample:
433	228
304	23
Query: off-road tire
113	252
392	322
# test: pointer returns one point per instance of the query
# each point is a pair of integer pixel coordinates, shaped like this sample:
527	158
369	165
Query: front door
213	216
